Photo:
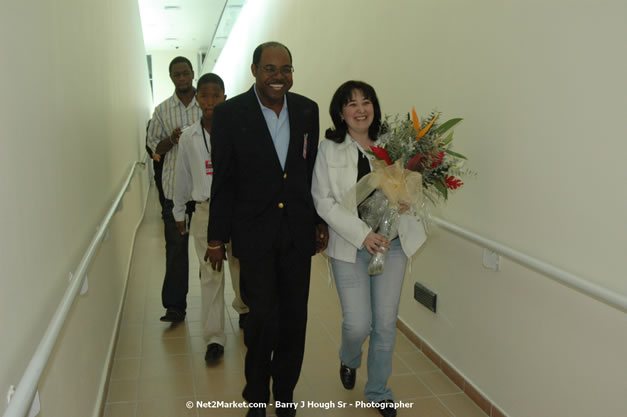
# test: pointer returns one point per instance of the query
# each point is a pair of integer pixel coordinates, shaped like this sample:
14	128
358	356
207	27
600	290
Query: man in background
169	119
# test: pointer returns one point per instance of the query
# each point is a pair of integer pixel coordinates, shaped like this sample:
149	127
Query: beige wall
75	101
541	86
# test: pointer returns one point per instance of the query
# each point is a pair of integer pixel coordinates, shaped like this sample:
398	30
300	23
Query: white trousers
212	282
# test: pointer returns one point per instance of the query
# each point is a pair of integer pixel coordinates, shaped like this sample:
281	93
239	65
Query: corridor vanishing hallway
157	368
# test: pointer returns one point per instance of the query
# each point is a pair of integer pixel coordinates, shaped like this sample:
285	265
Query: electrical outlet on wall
425	296
491	260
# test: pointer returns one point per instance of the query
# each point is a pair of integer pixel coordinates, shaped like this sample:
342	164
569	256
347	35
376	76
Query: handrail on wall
608	296
25	391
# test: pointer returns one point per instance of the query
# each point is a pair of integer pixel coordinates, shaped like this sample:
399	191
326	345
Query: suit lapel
294	148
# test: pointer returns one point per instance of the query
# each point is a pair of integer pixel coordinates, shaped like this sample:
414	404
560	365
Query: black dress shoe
386	408
173	316
242	320
214	353
285	412
256	412
347	376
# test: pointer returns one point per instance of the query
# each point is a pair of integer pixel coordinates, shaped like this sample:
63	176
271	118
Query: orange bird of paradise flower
421	132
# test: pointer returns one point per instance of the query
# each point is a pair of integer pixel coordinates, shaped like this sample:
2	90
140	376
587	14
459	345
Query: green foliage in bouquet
424	147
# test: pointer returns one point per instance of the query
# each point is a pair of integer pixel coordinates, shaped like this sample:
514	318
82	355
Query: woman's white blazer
335	173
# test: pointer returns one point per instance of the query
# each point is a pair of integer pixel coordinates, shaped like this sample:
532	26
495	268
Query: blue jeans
370	308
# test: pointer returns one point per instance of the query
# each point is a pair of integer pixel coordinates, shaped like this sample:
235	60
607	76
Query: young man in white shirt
193	176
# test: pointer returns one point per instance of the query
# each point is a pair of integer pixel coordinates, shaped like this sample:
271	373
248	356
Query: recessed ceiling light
172	7
171	39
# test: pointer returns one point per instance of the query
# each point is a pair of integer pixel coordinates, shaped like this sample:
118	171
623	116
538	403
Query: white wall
75	104
541	86
162	85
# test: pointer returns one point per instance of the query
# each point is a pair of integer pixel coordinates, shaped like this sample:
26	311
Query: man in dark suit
264	144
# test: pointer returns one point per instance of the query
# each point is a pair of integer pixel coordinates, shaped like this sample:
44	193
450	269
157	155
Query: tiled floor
158	368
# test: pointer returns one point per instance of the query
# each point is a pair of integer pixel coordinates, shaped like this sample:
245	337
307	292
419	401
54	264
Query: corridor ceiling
187	24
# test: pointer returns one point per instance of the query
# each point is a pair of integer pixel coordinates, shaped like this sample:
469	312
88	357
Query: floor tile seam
170	375
174	397
446	407
418	397
120	402
141	351
136	398
166	355
130	402
126	358
142	338
125	378
466	396
191	366
173	337
426	385
329	333
446	376
414	372
403	374
426	359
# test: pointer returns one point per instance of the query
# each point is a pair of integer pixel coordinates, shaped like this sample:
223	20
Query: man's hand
176	134
322	237
166	144
180	226
156	157
216	253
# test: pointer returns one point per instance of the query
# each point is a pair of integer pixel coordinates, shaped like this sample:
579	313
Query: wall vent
425	296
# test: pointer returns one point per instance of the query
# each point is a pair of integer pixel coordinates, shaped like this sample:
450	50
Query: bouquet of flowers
414	161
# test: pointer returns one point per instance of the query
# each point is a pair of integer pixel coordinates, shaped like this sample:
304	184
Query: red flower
381	153
414	163
438	160
453	183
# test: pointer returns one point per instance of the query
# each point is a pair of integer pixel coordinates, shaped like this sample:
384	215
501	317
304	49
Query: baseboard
449	370
106	376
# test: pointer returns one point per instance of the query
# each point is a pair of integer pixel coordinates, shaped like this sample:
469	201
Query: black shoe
386	408
214	353
173	316
285	412
256	412
242	320
347	376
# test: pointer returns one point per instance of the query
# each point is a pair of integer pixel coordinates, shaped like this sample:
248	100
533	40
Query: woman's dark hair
341	97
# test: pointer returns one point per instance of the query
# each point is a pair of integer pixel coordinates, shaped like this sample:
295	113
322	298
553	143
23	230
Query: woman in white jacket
369	303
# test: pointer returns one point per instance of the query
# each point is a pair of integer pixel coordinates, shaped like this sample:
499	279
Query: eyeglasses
271	69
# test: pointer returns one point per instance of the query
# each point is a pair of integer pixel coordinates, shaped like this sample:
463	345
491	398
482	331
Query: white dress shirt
278	126
194	170
169	115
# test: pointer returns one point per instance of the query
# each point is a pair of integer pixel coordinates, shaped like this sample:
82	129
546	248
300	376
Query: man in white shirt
193	175
169	119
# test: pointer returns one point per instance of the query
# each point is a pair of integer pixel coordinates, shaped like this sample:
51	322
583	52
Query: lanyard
202	128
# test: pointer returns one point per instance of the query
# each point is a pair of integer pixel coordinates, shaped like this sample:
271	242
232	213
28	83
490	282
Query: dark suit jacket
251	192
